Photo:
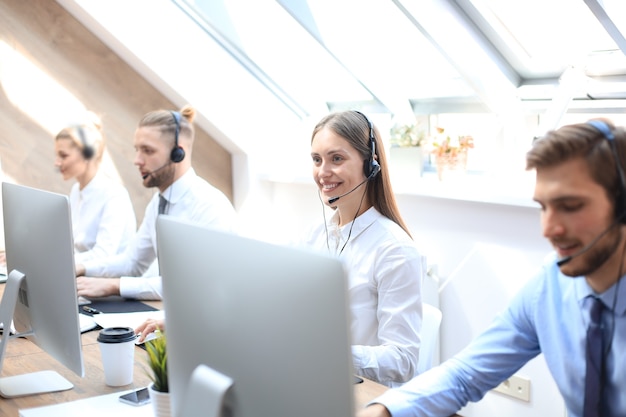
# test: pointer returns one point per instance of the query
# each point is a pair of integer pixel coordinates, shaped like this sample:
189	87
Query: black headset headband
178	153
371	167
620	202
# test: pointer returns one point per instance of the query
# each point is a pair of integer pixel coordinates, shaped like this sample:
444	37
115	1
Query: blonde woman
103	219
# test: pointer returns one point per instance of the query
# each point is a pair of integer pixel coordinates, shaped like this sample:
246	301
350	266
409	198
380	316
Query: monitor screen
40	293
272	319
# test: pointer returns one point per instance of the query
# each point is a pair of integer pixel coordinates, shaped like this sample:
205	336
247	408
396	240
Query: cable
353	220
614	303
351	223
324	217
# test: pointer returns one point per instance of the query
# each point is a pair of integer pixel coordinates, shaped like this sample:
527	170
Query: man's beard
597	256
164	176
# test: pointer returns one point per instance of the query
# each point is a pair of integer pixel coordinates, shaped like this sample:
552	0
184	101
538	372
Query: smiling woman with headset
368	234
103	219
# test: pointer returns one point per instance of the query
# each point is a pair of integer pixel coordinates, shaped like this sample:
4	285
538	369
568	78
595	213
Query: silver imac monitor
271	321
40	293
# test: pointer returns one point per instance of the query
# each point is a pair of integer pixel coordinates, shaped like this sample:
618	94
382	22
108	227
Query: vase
406	162
160	403
451	165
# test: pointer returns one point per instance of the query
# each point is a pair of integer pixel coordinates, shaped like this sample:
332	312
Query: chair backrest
431	320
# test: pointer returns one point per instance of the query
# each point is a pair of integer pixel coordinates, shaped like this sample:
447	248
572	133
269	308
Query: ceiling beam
598	9
222	34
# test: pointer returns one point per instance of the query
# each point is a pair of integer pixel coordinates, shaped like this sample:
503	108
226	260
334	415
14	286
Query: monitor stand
26	384
207	394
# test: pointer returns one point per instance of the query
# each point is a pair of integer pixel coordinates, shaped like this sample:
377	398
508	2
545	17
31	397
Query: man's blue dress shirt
549	315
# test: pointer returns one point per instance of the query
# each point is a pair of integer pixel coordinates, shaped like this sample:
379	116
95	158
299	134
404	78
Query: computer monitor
272	319
40	293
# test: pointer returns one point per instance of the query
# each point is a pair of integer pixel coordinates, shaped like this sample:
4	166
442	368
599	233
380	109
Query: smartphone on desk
138	397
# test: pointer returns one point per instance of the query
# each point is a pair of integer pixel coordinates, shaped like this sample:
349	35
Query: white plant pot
406	163
160	403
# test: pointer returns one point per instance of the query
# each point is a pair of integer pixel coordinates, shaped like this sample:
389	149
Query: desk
22	356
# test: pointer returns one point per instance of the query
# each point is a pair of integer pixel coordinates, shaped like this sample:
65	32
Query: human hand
147	327
374	410
80	270
92	287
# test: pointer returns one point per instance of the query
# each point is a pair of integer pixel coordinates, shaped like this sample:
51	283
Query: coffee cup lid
116	335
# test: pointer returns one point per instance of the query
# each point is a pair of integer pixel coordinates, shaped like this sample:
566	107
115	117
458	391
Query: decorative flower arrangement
450	154
450	147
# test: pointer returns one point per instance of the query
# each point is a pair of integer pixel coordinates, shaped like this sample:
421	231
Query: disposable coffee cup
117	347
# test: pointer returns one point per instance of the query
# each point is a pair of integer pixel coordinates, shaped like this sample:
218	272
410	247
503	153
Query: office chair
431	320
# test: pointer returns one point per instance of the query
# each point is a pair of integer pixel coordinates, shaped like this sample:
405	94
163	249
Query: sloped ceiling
276	63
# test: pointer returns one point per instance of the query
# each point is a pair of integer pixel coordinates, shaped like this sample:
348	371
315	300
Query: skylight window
267	35
545	36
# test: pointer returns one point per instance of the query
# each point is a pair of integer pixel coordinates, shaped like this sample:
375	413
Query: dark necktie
162	204
595	370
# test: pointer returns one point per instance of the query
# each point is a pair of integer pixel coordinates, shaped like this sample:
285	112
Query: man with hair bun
163	147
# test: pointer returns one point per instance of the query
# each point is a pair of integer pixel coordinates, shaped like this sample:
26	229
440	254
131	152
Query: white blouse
385	275
103	219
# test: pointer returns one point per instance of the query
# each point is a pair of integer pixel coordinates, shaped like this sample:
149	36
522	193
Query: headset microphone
155	171
566	259
372	175
334	199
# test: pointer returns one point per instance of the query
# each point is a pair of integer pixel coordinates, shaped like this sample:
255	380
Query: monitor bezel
39	299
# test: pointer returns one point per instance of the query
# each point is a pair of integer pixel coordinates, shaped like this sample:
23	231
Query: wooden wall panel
51	38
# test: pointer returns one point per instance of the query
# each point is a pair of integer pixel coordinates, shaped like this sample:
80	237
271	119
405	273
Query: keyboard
82	301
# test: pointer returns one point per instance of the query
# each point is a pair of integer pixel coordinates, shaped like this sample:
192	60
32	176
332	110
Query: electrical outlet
516	387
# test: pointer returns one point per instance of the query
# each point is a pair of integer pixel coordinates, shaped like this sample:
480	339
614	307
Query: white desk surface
100	406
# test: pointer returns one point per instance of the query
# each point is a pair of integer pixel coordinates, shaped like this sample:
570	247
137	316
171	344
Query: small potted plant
407	135
157	361
406	153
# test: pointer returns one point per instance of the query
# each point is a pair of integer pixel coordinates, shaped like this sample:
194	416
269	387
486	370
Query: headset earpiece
620	199
371	167
178	153
88	151
375	169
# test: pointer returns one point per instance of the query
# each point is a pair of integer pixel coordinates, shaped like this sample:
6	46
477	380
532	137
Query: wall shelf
505	190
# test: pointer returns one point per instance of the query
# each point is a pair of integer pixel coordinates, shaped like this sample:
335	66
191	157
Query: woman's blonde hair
88	137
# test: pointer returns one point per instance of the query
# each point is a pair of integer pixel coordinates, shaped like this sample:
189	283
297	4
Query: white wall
483	253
